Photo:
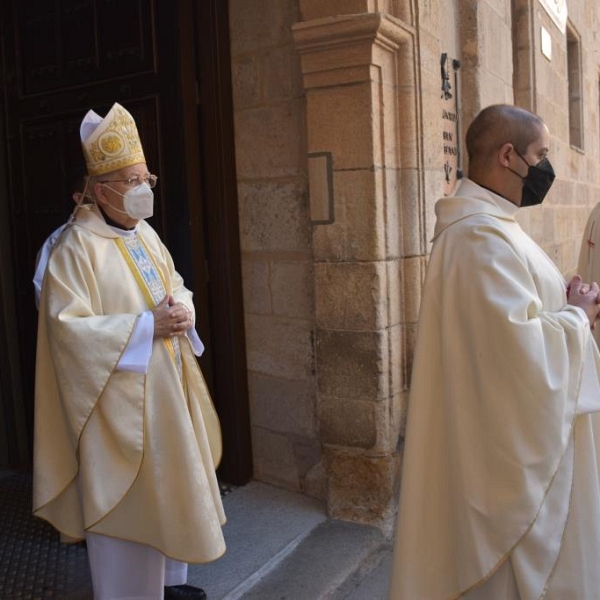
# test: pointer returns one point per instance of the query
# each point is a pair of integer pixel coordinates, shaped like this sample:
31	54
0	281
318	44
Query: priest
126	437
500	493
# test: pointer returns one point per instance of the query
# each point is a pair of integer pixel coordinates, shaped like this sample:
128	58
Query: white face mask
137	202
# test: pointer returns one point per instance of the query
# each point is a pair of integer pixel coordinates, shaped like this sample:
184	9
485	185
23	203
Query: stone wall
559	224
345	95
276	243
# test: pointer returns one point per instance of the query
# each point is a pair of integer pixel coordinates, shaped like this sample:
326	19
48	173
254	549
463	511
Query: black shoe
184	591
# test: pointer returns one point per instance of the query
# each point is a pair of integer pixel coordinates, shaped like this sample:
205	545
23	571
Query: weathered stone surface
283	405
413	277
255	279
395	292
267	141
260	24
348	422
353	364
307	453
361	488
279	346
246	82
274	217
398	375
358	233
281	74
292	285
274	459
317	9
329	111
314	483
351	295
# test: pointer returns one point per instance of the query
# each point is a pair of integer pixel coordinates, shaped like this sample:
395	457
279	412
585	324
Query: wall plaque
557	9
450	123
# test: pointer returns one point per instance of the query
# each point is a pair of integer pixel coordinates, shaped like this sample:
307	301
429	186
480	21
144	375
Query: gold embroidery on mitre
114	144
111	143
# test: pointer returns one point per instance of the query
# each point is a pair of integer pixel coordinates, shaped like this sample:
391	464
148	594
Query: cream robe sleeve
495	387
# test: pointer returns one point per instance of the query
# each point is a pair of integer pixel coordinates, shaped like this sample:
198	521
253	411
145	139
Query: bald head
497	125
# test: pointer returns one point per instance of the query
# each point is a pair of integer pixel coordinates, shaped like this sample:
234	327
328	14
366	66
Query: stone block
317	9
398	410
362	489
331	111
274	217
274	459
348	422
413	276
283	405
255	281
433	191
314	483
245	79
351	295
392	212
260	24
410	341
398	375
358	231
269	141
496	44
353	364
412	199
284	460
282	77
363	196
395	292
307	453
292	286
279	347
356	423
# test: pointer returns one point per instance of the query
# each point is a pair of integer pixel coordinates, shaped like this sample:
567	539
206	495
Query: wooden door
63	57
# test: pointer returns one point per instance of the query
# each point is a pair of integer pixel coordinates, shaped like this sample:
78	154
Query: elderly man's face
115	185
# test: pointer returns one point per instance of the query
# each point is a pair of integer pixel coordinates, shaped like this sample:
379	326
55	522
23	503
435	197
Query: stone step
264	525
321	565
282	546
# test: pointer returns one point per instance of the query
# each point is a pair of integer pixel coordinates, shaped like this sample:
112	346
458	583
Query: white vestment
126	443
500	478
123	570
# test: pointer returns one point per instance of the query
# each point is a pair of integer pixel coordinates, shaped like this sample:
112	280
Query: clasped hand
171	318
585	296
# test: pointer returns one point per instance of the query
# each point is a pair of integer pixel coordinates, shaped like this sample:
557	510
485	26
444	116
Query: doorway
168	64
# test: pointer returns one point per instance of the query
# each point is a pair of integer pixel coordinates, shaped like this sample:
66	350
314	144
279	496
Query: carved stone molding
347	42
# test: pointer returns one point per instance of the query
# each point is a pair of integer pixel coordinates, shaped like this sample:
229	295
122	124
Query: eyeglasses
150	180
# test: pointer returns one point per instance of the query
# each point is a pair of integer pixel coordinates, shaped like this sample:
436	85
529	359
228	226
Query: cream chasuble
142	447
501	452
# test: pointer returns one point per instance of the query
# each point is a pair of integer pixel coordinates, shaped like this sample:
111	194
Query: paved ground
280	546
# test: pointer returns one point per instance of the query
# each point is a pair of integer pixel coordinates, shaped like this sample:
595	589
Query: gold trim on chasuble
151	284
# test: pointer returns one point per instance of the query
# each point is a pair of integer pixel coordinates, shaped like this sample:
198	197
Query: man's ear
100	193
504	154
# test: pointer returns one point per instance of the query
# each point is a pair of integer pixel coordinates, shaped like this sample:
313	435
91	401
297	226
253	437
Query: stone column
360	77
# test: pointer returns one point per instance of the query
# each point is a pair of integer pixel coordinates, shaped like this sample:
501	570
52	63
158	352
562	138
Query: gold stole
151	283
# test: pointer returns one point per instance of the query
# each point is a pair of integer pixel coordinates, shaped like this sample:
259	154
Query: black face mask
537	182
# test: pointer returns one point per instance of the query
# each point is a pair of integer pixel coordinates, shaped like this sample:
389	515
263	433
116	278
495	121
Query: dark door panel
167	63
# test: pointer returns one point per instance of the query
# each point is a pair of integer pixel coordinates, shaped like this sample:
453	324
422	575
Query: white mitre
110	143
